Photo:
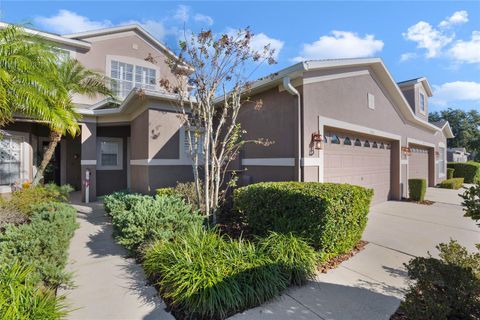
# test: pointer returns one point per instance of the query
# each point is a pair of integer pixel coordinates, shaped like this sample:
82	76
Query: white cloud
65	22
341	44
182	13
407	56
456	91
467	51
203	19
260	40
458	17
428	37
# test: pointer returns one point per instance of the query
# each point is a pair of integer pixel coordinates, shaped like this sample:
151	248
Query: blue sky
436	39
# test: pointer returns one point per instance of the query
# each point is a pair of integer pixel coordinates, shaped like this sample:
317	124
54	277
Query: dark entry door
52	172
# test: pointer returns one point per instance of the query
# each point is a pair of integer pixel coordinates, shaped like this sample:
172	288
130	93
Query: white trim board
88	162
281	162
160	162
420	142
356	128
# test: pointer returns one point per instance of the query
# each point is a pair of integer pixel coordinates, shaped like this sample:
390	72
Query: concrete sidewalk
107	284
371	284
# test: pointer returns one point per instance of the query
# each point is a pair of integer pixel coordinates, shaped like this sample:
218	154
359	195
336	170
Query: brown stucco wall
164	134
109	181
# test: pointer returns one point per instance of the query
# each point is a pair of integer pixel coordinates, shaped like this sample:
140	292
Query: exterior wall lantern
317	140
406	151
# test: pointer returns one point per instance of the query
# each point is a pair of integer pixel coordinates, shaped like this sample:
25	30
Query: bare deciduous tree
218	86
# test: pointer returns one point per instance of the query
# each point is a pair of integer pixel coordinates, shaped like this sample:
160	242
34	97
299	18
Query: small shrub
120	201
43	243
454	183
144	218
470	171
204	275
471	202
21	298
330	217
417	189
23	199
297	258
165	192
445	288
450	172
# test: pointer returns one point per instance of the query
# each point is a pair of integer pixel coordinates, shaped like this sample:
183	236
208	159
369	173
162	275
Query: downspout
291	89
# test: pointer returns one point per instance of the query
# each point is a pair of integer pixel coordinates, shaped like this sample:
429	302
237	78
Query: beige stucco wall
345	99
129	47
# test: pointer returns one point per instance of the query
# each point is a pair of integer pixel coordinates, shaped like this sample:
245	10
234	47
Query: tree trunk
55	138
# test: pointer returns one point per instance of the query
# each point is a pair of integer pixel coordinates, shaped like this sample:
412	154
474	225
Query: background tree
465	126
71	78
25	60
218	67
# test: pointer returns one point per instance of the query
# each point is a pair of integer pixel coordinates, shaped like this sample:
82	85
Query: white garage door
358	160
418	163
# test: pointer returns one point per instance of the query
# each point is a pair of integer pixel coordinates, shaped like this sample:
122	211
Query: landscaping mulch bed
334	262
11	216
424	202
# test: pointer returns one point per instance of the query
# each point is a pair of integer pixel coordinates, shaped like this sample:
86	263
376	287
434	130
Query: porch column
89	158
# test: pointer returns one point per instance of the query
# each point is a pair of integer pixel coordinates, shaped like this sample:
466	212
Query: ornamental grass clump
21	298
205	275
296	257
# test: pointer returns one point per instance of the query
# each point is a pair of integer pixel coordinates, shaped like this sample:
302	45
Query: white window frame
25	157
441	163
422	107
119	165
135	62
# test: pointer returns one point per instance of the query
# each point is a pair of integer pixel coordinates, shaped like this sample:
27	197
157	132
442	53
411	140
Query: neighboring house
457	155
356	125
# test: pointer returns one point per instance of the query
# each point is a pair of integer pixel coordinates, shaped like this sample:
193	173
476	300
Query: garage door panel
358	165
418	163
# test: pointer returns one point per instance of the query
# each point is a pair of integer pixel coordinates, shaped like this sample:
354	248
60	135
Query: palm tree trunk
55	138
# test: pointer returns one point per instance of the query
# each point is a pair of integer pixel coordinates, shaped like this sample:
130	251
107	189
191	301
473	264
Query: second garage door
358	160
418	163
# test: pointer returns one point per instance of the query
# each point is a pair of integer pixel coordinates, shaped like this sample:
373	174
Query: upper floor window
422	102
126	76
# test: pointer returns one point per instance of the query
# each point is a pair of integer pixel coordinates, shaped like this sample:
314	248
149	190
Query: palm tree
24	61
72	78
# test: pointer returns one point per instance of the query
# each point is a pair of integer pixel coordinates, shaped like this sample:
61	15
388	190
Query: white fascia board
52	37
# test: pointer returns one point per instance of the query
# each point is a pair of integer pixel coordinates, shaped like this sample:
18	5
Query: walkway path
108	285
370	285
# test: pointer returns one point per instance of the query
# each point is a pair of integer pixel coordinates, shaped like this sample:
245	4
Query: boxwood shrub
454	183
450	172
139	219
417	189
470	171
331	217
204	275
43	243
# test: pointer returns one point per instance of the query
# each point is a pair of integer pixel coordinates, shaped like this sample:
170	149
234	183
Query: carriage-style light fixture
317	140
406	151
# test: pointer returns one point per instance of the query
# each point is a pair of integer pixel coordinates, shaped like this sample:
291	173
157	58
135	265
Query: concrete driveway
371	284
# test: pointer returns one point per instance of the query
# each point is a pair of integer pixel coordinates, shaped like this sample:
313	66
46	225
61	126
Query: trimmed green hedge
165	192
454	183
417	189
204	275
470	171
331	217
450	172
139	219
43	243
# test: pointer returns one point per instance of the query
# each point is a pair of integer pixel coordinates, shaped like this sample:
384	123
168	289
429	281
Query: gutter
291	89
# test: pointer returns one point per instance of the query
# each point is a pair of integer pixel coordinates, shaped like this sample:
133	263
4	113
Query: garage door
418	163
358	160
